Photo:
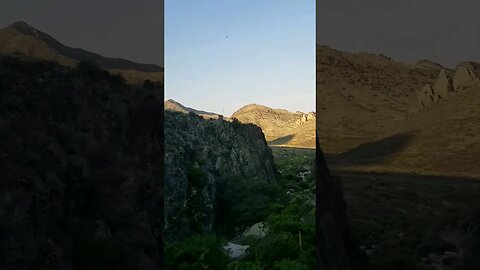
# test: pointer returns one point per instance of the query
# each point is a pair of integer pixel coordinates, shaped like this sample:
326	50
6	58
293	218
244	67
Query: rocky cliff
82	162
198	152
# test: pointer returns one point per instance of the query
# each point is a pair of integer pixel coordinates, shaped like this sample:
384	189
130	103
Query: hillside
281	127
23	39
379	114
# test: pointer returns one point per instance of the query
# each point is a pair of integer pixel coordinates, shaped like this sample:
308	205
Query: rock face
334	247
81	160
197	153
464	78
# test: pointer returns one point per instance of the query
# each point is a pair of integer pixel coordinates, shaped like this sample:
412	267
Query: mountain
24	40
281	127
377	114
172	105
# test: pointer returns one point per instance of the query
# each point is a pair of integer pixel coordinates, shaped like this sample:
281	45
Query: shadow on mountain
374	152
282	140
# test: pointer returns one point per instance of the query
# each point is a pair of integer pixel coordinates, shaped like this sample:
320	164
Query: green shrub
239	265
289	265
197	252
243	202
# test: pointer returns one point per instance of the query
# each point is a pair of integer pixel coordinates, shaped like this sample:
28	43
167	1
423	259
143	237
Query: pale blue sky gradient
268	57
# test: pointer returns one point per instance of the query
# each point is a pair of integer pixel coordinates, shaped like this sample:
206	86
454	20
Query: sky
444	31
223	54
115	28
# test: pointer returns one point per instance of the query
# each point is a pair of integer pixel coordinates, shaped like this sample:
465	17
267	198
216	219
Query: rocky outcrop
429	64
306	118
442	87
426	96
81	160
198	152
464	78
334	246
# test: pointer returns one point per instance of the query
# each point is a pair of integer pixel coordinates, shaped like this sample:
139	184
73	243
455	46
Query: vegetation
286	208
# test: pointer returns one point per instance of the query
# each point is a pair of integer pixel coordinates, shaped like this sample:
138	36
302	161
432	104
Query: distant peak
20	24
25	28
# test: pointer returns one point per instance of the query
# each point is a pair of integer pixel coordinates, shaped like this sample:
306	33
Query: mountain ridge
173	105
280	126
20	38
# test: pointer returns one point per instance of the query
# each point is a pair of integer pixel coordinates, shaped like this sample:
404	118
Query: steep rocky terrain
381	115
82	163
23	39
198	153
281	127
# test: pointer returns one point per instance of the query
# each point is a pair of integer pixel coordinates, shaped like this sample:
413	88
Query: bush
289	265
238	265
197	252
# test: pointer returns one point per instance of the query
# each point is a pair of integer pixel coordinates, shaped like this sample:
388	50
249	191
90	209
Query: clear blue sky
268	57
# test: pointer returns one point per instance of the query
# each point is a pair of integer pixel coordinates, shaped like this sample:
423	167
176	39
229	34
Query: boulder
236	251
426	96
256	230
443	85
464	78
303	120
